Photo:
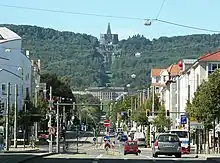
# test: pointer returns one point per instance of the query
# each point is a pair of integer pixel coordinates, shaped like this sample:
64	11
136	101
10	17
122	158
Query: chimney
27	53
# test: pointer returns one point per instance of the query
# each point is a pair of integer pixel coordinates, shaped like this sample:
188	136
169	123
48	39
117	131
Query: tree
161	121
139	115
205	104
60	89
90	112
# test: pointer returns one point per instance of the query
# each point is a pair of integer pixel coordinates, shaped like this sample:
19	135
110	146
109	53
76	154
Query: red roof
174	69
211	56
156	71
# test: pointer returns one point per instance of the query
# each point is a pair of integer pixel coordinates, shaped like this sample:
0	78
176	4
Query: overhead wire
161	7
112	16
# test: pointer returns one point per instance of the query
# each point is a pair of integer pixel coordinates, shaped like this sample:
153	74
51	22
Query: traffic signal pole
58	130
50	122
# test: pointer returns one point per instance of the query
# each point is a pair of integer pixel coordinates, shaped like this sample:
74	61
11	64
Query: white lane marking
99	156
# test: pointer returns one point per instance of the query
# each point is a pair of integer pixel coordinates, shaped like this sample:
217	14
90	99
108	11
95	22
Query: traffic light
129	112
148	113
168	113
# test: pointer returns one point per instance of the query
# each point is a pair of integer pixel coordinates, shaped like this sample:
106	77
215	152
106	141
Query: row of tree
61	88
205	106
137	112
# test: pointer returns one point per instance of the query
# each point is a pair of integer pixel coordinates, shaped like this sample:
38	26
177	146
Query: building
108	38
194	73
179	82
104	93
15	67
156	84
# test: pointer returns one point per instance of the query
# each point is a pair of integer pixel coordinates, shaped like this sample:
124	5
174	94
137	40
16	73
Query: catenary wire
161	7
110	16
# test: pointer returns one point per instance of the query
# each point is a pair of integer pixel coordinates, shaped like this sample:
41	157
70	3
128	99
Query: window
164	78
181	134
157	79
212	67
4	91
168	138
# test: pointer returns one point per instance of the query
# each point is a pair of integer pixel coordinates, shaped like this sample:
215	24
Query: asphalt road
89	154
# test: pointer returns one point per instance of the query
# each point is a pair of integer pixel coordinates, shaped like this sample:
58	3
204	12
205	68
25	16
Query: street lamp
148	22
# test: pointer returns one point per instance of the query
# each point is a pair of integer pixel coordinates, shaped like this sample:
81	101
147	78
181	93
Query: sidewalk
21	149
209	156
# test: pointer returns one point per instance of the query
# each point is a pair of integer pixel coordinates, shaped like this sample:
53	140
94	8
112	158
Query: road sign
50	103
106	123
183	119
94	139
51	131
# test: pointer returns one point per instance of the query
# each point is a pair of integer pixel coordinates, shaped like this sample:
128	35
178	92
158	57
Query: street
87	153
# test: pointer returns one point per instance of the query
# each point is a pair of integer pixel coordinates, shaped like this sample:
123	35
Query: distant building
108	38
104	93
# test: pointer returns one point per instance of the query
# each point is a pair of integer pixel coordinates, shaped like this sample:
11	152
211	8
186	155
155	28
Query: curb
26	151
34	157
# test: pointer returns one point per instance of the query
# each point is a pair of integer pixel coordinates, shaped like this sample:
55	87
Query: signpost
183	119
51	130
51	103
106	125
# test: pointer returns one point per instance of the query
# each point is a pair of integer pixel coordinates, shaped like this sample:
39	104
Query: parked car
167	144
131	147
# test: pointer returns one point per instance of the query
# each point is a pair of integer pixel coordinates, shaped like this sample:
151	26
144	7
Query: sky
198	13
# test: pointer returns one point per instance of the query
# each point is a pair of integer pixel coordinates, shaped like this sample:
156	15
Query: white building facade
15	67
180	82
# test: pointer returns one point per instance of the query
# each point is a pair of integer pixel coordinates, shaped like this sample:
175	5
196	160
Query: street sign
51	103
106	123
183	119
51	130
94	139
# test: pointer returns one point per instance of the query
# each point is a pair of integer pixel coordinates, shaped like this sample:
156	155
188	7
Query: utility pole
153	105
36	105
15	116
58	130
64	115
50	122
7	117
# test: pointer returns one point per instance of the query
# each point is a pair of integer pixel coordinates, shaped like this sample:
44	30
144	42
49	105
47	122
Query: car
123	138
131	147
167	144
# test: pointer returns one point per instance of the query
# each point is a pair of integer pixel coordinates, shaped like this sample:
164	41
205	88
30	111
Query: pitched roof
156	71
211	56
174	69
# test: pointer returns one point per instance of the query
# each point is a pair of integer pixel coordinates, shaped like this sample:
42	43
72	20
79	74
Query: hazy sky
198	13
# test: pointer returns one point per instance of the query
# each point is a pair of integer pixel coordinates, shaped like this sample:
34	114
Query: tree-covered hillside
75	56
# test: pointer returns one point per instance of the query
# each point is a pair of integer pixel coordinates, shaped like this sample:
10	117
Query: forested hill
75	56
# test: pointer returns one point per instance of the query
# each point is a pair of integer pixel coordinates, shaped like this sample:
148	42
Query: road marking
99	156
